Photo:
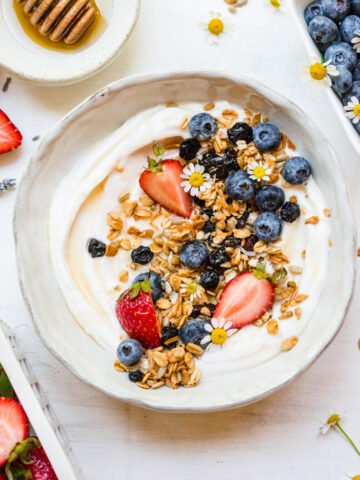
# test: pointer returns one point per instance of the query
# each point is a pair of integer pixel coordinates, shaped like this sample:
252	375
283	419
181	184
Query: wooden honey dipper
65	20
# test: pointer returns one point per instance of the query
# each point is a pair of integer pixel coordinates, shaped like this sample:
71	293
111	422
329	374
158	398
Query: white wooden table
276	438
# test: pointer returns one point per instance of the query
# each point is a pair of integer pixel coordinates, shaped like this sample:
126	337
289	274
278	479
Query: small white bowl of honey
57	42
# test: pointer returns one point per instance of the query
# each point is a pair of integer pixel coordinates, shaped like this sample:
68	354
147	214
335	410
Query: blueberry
341	54
129	352
142	255
343	82
194	331
214	165
240	131
169	337
355	7
209	279
322	29
313	10
268	227
156	284
290	212
348	28
136	376
296	170
218	256
239	186
194	254
202	126
324	46
249	242
269	198
209	226
189	148
336	9
267	137
96	248
230	160
353	92
356	72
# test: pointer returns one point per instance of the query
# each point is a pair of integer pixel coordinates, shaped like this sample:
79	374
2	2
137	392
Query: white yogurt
90	190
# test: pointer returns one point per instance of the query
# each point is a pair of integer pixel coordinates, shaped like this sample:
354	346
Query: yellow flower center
333	419
275	3
191	288
216	26
357	477
218	336
318	71
356	110
196	179
259	172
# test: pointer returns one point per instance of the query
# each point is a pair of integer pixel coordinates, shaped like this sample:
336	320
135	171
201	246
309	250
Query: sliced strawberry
14	426
10	137
245	299
39	465
138	318
165	188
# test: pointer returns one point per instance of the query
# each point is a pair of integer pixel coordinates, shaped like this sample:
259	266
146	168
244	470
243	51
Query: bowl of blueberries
331	30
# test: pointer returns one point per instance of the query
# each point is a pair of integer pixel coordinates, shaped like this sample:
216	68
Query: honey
32	31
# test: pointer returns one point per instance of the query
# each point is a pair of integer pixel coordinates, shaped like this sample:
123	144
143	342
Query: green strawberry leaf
6	389
279	275
261	274
154	165
159	150
143	286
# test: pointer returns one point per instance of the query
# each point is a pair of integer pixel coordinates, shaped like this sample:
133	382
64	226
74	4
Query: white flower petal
354	100
356	120
227	325
215	322
208	327
187	188
206	339
221	322
187	171
231	331
194	191
325	428
328	81
350	115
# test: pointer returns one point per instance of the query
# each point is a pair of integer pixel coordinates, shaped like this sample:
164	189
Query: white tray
296	8
36	406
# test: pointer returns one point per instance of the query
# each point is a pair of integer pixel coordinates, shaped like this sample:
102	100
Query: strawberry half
137	317
10	137
14	426
39	465
164	187
245	299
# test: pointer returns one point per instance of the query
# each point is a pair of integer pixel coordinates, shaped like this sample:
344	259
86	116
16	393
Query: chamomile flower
353	477
195	179
193	289
275	5
218	332
331	422
356	41
352	109
259	171
216	27
319	72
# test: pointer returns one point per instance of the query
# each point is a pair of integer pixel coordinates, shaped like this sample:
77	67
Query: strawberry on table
245	299
136	313
14	426
10	137
28	460
162	182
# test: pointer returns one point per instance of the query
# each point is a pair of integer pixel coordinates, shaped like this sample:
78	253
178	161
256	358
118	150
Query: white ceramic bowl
24	58
297	7
95	118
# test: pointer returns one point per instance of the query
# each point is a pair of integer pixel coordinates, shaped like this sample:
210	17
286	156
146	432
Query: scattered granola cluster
218	264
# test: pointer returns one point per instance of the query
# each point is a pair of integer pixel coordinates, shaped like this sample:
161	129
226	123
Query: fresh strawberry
10	137
163	184
14	426
245	299
2	476
39	465
136	313
28	460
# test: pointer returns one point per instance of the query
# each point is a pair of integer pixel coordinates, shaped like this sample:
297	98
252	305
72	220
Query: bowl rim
296	9
86	105
107	57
